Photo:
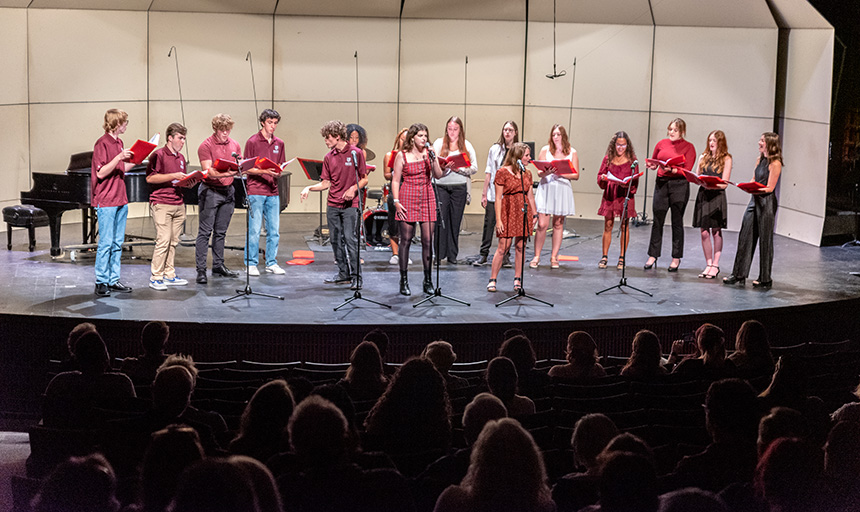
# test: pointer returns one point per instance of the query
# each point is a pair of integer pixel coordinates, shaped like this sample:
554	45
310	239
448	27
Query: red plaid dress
416	192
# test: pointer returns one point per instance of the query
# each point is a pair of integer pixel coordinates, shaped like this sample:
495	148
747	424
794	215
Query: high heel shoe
713	276
651	265
733	279
764	285
518	284
404	283
534	263
674	269
704	274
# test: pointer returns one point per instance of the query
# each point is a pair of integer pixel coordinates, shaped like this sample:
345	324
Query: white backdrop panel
13	58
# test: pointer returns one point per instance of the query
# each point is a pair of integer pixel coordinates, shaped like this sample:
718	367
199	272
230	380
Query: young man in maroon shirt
263	198
215	197
110	201
167	206
340	167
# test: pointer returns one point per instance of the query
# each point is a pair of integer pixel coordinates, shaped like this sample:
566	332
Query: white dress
554	195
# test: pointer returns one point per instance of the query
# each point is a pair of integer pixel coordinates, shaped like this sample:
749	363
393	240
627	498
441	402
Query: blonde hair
565	141
680	124
114	118
222	122
461	139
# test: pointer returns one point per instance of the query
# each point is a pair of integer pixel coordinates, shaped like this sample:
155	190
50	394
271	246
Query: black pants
757	226
452	203
215	208
669	195
489	228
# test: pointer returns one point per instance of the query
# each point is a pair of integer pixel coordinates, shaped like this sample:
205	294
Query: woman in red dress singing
514	186
415	201
618	162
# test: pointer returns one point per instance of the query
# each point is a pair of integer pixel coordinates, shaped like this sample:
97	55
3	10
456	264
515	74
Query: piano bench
23	216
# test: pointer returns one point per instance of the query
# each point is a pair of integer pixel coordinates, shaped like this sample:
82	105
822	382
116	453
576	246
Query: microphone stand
521	291
356	295
623	281
247	291
437	292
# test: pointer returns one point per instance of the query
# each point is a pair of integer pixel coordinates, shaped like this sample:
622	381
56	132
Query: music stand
313	170
247	291
623	281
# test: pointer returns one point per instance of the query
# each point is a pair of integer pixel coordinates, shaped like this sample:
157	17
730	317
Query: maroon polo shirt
110	190
339	169
211	149
257	146
164	161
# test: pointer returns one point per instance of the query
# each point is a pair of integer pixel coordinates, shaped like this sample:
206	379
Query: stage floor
35	284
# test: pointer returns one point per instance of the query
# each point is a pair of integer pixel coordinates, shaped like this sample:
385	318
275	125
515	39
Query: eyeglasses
621	145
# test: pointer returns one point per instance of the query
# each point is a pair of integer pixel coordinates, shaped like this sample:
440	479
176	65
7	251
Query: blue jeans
111	236
343	233
259	206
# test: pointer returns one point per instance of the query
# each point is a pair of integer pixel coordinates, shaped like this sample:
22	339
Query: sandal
534	263
620	265
491	286
603	261
713	276
518	284
705	273
553	263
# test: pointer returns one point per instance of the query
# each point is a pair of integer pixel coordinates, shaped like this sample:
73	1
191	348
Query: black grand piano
72	190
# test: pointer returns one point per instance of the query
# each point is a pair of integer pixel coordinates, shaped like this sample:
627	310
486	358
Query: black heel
428	283
404	283
733	279
649	267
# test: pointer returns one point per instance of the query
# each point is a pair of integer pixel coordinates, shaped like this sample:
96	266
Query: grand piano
57	193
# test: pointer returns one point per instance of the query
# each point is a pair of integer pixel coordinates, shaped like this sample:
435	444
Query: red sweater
666	149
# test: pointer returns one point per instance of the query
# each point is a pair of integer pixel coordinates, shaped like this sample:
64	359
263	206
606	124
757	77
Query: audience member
442	355
849	411
268	496
380	338
581	355
413	415
364	378
71	396
788	388
628	483
214	485
646	359
502	381
170	452
789	477
141	369
69	363
79	484
194	415
780	422
709	360
262	431
518	348
732	418
842	465
591	434
506	473
691	499
752	355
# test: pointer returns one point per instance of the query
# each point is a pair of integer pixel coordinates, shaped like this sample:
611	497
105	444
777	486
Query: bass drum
376	227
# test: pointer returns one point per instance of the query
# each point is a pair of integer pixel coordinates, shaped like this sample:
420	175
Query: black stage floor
36	288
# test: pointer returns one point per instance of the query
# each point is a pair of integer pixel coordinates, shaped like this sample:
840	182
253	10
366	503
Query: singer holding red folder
215	202
513	195
619	162
710	213
671	192
340	167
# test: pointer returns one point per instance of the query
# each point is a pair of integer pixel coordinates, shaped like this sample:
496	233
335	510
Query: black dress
711	210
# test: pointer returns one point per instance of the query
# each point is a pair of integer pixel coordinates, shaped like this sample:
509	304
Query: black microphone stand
437	292
521	291
356	295
623	281
247	292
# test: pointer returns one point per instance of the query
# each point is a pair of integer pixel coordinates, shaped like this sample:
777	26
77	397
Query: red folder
140	150
459	160
265	163
230	165
675	161
751	186
190	179
561	166
703	180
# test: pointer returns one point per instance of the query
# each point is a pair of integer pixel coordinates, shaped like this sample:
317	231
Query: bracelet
396	201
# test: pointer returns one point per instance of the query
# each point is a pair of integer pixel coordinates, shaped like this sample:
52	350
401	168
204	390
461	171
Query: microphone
634	165
354	159
235	155
430	149
521	166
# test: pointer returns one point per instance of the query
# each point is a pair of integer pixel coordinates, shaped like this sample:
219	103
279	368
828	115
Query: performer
671	191
510	135
710	213
514	185
339	178
215	198
166	165
554	196
263	198
357	136
110	201
760	216
453	188
415	201
618	161
393	225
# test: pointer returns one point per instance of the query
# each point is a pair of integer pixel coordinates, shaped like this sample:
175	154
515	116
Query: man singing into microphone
340	167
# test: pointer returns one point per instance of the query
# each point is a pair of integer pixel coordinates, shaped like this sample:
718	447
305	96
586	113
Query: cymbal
370	155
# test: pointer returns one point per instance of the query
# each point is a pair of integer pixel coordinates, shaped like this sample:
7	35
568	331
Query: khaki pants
168	220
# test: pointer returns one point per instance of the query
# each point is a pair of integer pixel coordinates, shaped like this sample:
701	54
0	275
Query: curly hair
335	129
630	153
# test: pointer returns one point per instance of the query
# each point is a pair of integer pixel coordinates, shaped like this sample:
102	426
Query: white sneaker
253	271
157	285
275	269
395	259
176	281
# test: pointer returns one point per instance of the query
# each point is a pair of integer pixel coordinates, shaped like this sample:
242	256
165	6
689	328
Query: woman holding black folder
554	197
760	216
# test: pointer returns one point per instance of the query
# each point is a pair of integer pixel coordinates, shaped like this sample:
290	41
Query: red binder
675	161
561	166
141	149
750	186
459	160
190	179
